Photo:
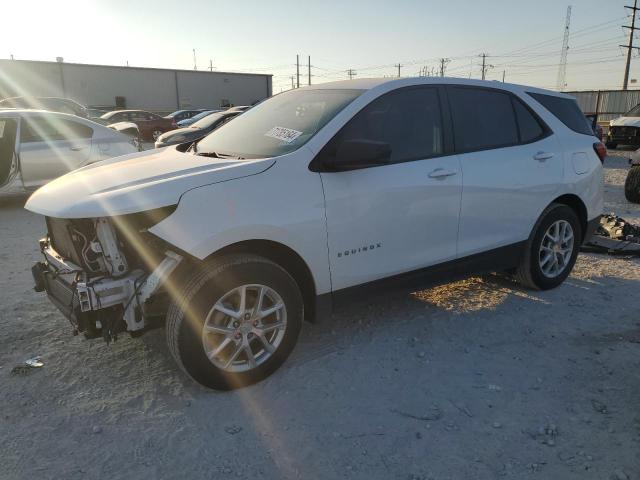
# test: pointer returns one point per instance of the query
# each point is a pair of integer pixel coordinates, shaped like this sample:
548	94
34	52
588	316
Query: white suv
312	196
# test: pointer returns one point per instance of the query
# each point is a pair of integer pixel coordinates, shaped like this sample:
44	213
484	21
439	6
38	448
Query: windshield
208	120
634	112
278	125
202	115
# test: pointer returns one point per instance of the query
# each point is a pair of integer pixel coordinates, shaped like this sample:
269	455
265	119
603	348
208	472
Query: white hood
625	122
135	183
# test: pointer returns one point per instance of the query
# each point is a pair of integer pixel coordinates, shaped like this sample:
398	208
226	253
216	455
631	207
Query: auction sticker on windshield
287	135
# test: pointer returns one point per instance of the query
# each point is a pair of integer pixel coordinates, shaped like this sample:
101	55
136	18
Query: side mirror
359	153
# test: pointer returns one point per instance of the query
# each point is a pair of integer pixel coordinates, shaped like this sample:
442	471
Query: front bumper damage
104	305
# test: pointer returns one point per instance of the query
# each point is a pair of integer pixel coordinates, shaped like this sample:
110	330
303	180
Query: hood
626	122
187	132
135	183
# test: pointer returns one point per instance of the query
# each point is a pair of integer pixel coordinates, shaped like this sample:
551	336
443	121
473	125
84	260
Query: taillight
600	150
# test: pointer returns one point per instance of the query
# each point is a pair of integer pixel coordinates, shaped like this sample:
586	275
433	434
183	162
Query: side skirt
502	258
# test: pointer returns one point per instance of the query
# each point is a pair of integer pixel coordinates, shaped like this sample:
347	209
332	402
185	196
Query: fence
607	104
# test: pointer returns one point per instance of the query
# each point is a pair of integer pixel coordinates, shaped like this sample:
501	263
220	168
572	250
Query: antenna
562	70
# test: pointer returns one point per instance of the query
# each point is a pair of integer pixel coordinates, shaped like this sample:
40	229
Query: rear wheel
551	251
156	133
632	184
611	145
236	321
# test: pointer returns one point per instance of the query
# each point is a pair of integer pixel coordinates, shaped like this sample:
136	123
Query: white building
154	89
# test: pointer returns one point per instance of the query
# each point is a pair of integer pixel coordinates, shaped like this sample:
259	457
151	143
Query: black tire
632	184
186	317
611	145
529	273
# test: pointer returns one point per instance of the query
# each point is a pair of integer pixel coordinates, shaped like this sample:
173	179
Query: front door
8	163
399	217
50	146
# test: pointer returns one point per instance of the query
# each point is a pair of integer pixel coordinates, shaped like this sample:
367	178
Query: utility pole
630	46
309	72
210	65
485	65
297	71
503	74
562	70
195	65
399	67
443	65
351	73
292	80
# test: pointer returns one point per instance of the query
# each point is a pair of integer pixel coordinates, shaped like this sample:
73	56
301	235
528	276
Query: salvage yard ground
477	379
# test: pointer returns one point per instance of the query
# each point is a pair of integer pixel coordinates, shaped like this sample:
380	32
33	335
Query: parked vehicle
632	182
311	197
151	125
129	129
196	131
239	108
37	146
625	130
52	104
595	126
190	121
180	115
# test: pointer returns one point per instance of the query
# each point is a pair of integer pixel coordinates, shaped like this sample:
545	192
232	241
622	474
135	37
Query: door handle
441	173
76	148
542	156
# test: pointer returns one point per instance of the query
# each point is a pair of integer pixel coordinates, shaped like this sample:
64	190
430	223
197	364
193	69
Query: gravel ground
476	379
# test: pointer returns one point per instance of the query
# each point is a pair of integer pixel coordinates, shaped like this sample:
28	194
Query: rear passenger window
530	128
409	121
482	119
48	129
566	110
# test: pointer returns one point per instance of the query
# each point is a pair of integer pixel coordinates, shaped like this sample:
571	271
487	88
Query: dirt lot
478	379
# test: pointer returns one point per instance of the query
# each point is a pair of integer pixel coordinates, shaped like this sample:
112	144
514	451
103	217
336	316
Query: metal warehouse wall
608	104
146	88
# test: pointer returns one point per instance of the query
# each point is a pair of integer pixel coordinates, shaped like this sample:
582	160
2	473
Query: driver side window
409	120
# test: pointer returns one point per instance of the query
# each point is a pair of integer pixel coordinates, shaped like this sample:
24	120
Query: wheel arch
577	205
288	259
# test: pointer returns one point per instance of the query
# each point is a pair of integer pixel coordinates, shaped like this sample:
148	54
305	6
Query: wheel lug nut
256	323
236	324
250	335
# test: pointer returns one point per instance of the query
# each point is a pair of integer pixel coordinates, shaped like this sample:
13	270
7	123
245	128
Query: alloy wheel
556	248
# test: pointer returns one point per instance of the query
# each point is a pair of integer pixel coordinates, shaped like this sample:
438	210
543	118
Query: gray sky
523	38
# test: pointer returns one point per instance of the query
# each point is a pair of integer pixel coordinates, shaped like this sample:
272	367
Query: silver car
37	146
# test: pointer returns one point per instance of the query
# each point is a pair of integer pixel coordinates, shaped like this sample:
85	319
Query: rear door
511	163
51	146
8	158
394	218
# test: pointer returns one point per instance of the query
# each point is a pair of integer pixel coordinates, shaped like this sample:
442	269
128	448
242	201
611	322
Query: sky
522	38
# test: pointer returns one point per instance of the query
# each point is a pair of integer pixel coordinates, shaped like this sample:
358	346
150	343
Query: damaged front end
107	275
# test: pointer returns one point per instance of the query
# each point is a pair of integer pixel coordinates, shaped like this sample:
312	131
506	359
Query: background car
180	115
190	121
53	104
239	108
151	125
37	146
196	131
625	130
597	129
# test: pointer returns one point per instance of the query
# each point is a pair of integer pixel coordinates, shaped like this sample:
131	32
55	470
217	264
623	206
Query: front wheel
235	322
632	184
156	133
551	251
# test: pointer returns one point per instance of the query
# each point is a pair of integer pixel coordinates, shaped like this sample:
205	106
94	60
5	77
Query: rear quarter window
566	110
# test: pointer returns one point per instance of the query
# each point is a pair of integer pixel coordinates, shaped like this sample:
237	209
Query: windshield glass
634	112
278	125
207	121
202	115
